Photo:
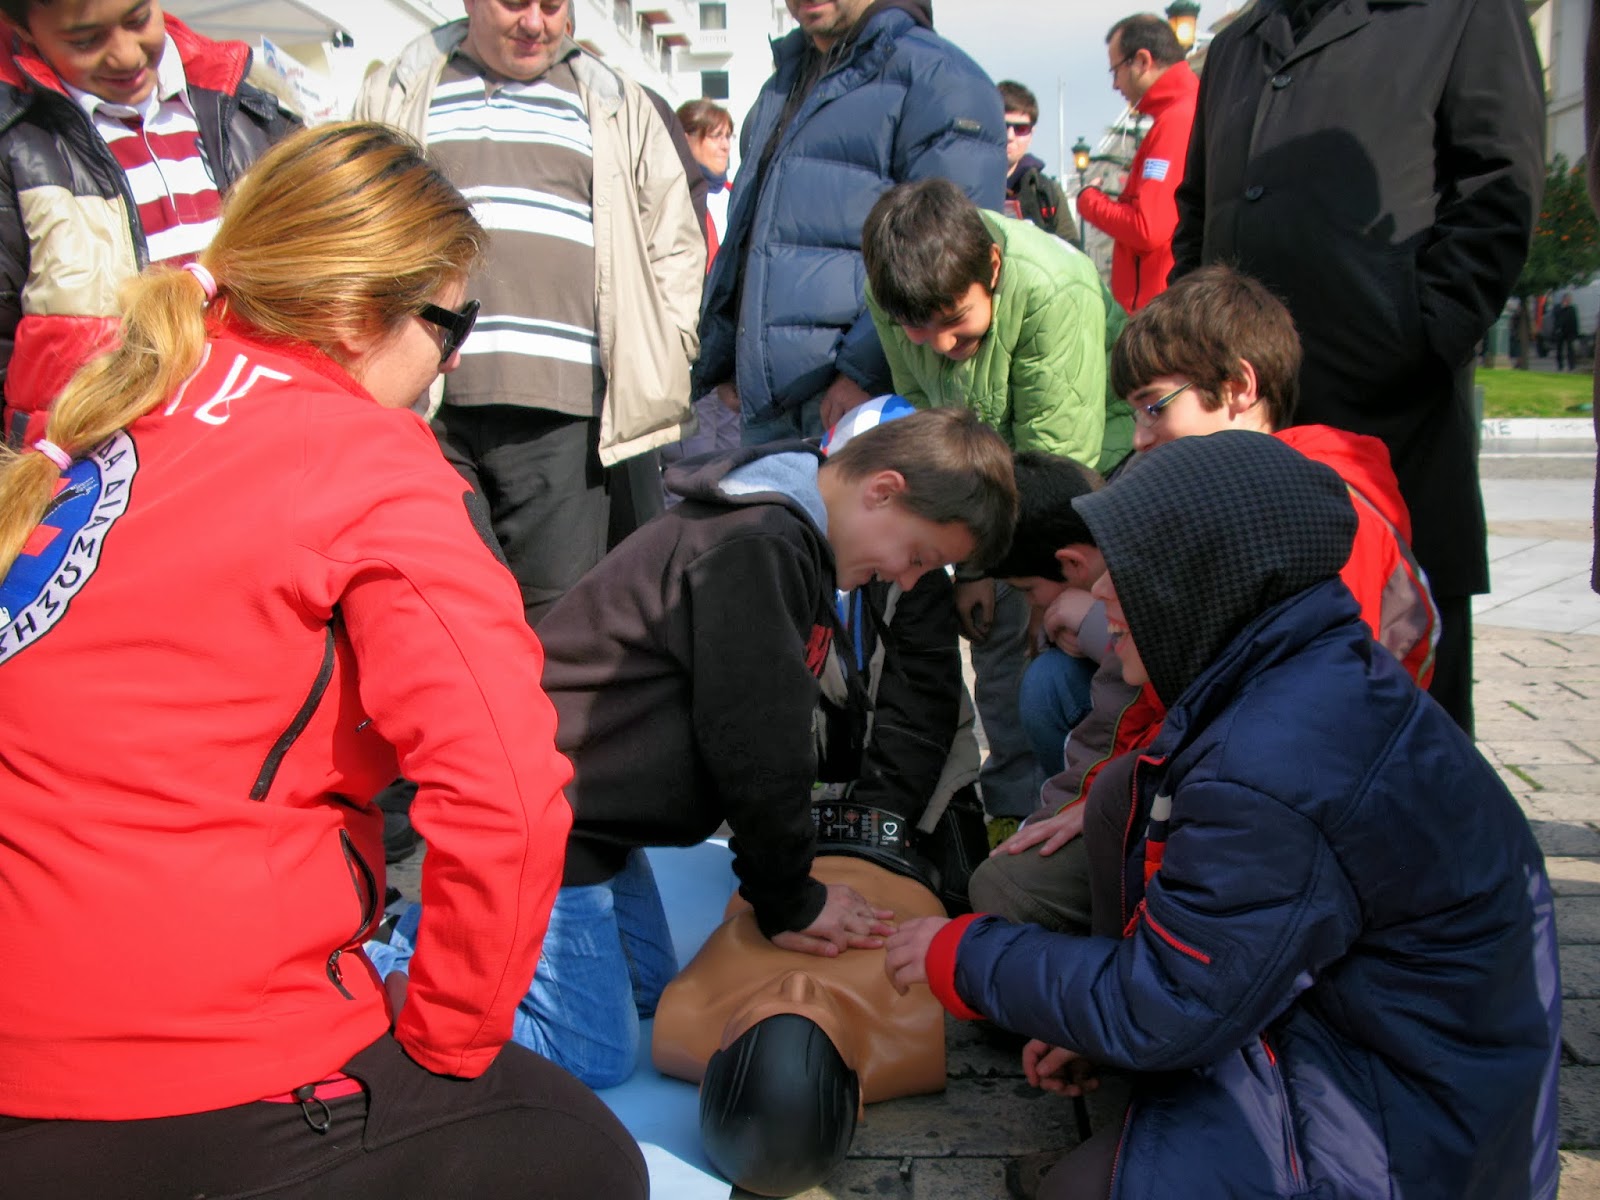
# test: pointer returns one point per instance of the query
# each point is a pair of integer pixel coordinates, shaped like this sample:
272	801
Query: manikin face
1019	137
826	21
517	39
399	366
1121	638
108	48
874	536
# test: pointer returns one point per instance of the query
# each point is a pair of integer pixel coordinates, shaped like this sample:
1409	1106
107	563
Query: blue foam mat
664	1114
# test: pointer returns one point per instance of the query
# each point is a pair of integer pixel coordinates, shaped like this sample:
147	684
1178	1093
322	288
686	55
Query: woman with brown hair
239	590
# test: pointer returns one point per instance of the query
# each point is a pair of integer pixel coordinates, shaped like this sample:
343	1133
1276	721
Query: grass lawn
1512	393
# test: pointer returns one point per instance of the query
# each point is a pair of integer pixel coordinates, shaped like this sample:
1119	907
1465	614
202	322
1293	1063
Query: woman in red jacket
239	591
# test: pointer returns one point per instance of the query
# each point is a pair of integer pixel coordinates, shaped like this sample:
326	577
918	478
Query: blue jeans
1054	698
606	957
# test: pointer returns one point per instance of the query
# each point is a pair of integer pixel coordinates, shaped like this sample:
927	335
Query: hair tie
208	282
54	453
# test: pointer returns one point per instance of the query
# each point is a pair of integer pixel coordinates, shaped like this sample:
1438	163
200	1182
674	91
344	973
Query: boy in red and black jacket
120	128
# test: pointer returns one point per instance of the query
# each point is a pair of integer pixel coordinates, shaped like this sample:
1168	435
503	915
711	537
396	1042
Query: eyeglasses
1115	67
1149	414
1019	128
456	323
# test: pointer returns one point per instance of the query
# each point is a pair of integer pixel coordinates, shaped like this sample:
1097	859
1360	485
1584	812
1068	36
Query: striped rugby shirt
157	145
522	153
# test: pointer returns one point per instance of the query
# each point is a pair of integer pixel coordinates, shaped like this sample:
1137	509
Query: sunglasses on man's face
456	323
1019	128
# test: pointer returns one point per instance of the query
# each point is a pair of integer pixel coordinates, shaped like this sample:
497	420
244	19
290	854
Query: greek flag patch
1155	168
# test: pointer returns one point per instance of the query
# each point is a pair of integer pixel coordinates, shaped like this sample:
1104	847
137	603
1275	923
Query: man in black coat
1378	164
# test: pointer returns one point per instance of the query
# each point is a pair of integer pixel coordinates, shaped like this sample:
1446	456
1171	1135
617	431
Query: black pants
1452	664
523	1128
540	474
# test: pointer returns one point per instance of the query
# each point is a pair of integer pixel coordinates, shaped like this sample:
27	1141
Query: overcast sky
1049	43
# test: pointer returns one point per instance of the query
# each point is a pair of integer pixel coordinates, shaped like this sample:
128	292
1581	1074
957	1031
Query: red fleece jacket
240	619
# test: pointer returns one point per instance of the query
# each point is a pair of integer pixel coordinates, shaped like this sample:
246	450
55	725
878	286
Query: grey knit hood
1204	534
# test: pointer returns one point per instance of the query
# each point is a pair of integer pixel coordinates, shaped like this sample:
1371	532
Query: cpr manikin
788	1046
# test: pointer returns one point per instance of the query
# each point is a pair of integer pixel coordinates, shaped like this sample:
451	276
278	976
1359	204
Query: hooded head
1203	535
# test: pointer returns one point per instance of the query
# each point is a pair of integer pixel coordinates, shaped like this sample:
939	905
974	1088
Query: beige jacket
650	254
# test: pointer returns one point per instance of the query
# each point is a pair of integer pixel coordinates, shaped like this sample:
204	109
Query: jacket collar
1340	21
1177	83
1274	637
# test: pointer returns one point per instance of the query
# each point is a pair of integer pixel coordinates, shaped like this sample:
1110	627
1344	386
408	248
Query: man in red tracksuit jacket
1148	68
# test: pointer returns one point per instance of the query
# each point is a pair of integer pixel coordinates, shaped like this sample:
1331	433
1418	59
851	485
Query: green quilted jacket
1039	377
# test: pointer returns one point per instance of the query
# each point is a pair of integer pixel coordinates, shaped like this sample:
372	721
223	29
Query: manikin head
780	1099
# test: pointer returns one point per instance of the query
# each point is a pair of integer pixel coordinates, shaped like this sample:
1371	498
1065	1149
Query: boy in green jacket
980	311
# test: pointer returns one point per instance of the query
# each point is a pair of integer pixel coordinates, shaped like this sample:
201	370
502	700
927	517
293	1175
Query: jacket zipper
366	886
302	718
1290	1153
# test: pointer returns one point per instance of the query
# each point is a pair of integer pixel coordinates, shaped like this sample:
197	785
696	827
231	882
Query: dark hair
925	244
957	470
1200	328
1150	33
1016	98
698	117
1047	484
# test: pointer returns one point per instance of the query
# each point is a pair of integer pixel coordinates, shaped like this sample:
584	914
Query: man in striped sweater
119	130
591	292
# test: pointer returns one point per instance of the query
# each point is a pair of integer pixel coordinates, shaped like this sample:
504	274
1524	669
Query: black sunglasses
1118	66
456	323
1020	128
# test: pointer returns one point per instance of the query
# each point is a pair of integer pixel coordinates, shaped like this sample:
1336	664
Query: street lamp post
1183	16
1080	160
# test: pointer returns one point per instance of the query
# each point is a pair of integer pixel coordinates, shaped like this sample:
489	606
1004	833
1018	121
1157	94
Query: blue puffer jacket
1341	981
901	104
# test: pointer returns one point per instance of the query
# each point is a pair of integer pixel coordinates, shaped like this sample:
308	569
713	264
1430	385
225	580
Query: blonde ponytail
335	232
163	332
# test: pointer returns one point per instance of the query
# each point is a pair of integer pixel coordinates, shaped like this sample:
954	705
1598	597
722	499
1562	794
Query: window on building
665	61
622	13
714	85
647	40
714	15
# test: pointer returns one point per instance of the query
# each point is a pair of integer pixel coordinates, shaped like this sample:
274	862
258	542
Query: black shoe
400	841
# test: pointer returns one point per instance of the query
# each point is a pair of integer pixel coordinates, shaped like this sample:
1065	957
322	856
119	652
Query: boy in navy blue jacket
1340	978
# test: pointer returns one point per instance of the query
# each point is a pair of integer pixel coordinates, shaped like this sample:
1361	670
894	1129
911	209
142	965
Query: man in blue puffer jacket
1340	978
864	96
